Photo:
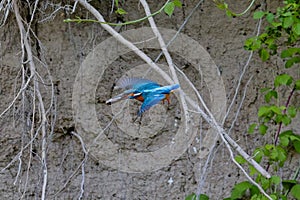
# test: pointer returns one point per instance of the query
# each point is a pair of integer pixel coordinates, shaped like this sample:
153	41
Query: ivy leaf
270	17
262	129
263	111
222	6
286	120
275	180
270	94
252	44
169	8
240	189
277	110
284	140
264	54
296	28
229	13
283	79
177	3
288	184
258	154
117	3
287	21
121	11
289	52
281	154
240	159
292	111
295	191
292	61
296	144
258	14
251	128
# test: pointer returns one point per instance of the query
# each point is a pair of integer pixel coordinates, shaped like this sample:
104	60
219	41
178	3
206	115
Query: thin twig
83	163
168	58
25	40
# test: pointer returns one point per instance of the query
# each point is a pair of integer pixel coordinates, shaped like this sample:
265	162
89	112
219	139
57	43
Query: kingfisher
146	91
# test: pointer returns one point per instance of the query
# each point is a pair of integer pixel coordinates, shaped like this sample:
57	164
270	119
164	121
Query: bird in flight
146	91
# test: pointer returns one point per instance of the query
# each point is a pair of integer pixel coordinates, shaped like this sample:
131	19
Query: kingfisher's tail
122	96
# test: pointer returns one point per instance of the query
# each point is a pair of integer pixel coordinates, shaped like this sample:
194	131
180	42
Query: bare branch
168	58
25	41
83	163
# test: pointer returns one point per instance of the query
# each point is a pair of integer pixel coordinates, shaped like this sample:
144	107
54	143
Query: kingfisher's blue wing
135	83
163	90
149	101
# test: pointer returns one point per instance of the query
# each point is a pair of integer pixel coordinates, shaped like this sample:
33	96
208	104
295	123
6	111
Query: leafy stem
284	112
79	20
224	6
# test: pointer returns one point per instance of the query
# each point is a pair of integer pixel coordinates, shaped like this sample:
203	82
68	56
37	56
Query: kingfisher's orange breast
140	98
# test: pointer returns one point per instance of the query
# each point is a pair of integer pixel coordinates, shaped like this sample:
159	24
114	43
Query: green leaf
252	170
294	137
258	14
274	154
253	44
222	6
284	140
262	129
270	94
296	144
177	3
264	54
287	21
296	28
281	154
292	111
295	191
264	90
240	159
292	61
269	146
251	128
297	85
286	120
169	8
275	180
288	184
263	111
289	52
270	17
283	79
229	13
117	3
277	110
265	183
240	189
258	154
121	11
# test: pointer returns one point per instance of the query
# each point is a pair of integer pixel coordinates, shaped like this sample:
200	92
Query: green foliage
240	190
222	5
170	7
283	30
296	191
